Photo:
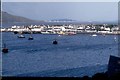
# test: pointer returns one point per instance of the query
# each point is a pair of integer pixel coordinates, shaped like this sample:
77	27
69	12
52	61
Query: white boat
21	36
94	35
44	32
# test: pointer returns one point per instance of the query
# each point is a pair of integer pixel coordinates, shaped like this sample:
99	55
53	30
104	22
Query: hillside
6	17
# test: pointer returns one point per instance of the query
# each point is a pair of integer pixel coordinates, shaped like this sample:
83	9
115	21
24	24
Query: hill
6	17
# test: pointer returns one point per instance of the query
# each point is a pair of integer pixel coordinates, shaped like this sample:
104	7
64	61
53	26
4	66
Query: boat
5	50
94	35
45	32
55	42
21	36
61	33
70	33
15	32
30	38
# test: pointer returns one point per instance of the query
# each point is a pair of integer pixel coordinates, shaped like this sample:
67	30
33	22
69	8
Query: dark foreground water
73	56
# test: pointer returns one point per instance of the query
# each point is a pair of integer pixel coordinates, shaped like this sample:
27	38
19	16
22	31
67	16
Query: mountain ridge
6	17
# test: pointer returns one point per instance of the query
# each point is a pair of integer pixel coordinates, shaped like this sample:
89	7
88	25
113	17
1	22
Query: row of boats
21	36
5	49
31	38
113	65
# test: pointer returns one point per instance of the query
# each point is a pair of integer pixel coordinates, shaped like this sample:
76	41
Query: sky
60	0
80	11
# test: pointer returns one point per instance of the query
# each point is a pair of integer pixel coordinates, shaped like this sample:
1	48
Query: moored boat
70	33
30	38
55	42
94	35
21	36
5	49
45	32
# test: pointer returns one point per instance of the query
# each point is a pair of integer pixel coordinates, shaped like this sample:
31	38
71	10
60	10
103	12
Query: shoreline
39	32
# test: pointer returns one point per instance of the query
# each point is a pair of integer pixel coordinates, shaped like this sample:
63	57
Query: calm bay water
73	56
72	52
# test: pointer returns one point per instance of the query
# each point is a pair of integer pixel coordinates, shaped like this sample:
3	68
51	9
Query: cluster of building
62	29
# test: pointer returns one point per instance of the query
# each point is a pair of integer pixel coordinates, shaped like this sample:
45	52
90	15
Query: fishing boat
30	38
5	50
55	42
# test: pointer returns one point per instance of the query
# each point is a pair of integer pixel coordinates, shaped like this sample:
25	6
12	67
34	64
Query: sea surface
74	55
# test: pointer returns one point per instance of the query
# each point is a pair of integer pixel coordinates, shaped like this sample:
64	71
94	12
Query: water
73	56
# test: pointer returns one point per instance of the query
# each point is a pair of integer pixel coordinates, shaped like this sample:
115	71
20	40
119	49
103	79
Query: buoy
55	42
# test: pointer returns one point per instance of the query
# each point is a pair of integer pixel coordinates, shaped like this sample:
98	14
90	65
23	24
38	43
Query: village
64	29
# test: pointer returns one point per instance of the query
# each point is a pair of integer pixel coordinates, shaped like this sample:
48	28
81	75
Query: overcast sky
60	0
81	11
